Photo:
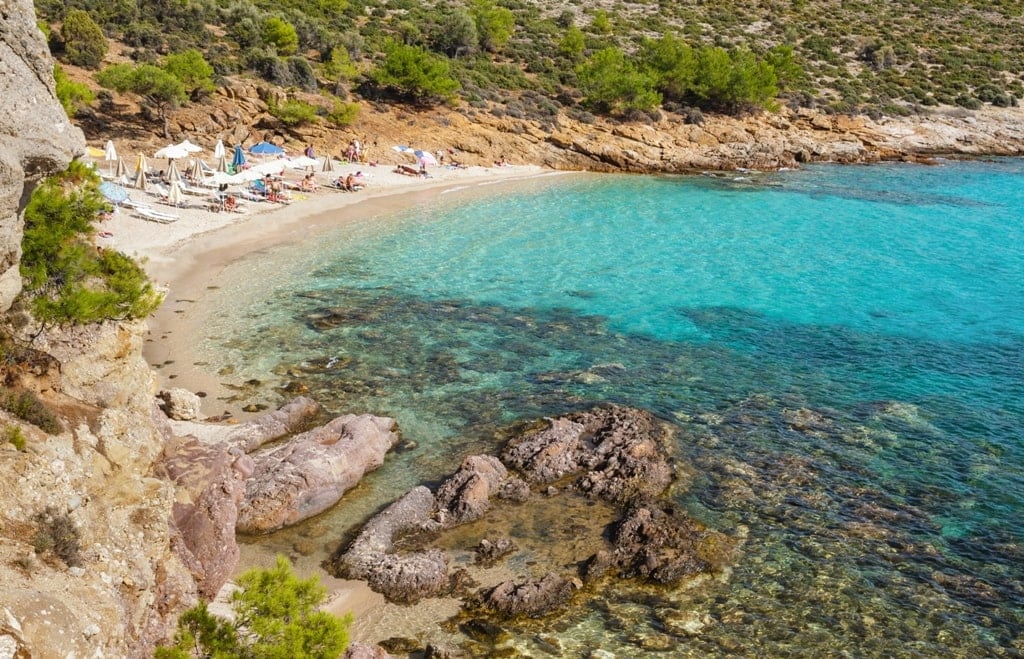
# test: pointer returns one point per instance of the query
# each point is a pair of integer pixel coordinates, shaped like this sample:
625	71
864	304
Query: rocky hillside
238	113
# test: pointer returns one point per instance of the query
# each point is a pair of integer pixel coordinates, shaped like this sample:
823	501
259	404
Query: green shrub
293	112
57	533
338	66
65	279
343	114
72	95
195	74
611	83
84	41
26	406
14	435
493	24
275	615
412	73
281	34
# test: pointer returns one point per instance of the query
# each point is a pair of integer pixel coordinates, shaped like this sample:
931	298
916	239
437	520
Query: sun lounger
155	215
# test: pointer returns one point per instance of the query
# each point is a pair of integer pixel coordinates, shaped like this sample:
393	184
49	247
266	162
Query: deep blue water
885	303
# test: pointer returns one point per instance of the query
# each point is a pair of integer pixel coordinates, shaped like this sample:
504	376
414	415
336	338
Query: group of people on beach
348	183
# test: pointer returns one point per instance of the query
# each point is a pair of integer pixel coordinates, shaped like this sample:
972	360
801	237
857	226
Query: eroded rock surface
616	451
311	472
36	137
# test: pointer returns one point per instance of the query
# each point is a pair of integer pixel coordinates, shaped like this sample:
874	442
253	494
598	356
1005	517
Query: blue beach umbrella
239	159
265	149
113	192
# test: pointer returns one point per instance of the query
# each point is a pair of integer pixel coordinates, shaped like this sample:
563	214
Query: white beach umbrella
121	170
222	162
189	146
328	164
110	154
218	151
174	193
223	178
273	167
172	152
247	175
302	162
173	174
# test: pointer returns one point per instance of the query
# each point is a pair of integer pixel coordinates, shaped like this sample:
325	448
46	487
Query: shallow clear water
842	349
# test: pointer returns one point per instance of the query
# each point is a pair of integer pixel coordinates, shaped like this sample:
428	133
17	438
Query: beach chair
155	215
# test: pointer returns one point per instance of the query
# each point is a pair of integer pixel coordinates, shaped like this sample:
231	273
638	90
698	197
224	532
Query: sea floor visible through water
839	349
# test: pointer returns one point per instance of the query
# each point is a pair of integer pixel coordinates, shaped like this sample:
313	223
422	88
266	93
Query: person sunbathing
408	171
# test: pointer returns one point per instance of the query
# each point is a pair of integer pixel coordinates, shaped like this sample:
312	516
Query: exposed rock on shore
611	453
312	471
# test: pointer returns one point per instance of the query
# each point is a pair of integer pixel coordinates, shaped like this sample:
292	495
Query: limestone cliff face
123	592
129	585
36	137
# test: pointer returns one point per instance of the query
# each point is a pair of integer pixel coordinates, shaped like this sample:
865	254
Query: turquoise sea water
841	349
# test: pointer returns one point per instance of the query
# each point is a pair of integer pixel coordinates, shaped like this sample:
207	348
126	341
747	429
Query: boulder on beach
311	471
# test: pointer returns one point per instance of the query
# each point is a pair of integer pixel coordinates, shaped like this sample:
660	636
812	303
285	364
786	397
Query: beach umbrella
273	167
110	154
121	171
172	152
174	193
328	164
218	150
425	157
140	172
223	178
113	192
402	149
222	162
239	158
265	149
173	174
189	146
302	162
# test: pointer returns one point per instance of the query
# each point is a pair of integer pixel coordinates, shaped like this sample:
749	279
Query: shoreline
185	259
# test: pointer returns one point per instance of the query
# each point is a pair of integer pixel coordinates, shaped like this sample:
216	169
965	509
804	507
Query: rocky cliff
88	565
36	135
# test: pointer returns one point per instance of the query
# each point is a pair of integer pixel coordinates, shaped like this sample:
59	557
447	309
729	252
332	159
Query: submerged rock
529	597
618	453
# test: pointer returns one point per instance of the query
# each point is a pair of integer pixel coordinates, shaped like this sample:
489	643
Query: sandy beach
186	256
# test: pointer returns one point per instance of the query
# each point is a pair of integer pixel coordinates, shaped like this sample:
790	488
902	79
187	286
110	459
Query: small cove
885	299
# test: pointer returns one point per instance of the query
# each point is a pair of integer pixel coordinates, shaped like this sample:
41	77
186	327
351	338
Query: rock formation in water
615	454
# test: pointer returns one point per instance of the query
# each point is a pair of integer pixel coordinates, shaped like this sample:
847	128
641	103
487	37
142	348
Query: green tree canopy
572	43
672	64
192	69
612	83
493	24
161	89
72	95
65	279
84	41
276	616
282	35
413	73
